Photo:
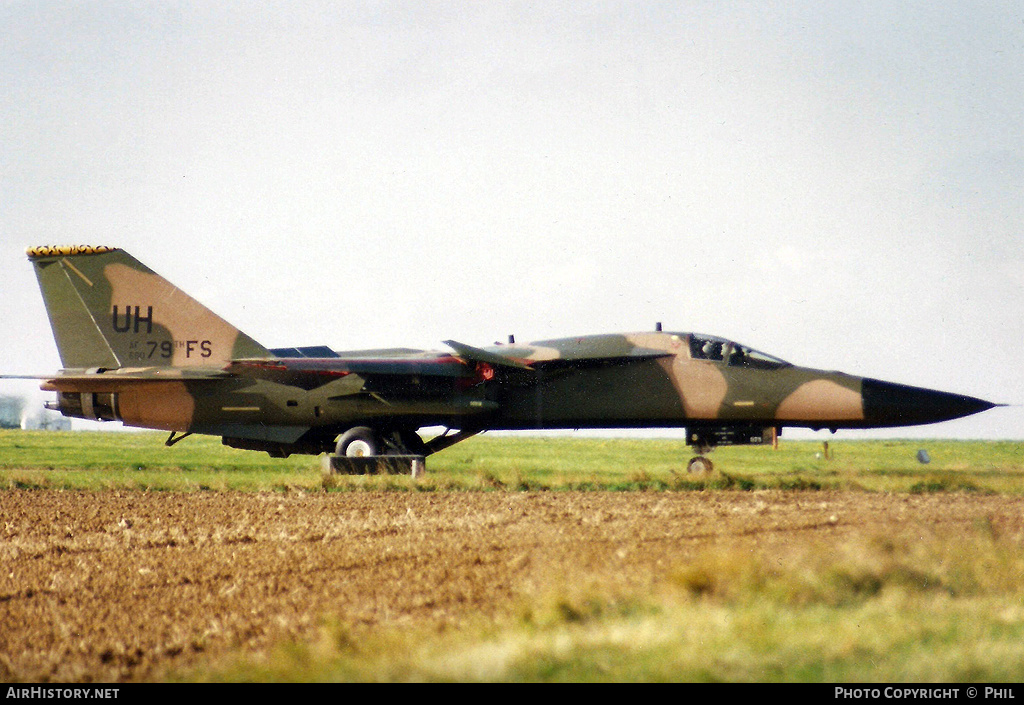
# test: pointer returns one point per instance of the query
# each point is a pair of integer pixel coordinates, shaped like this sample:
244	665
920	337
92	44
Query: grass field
866	615
889	584
90	460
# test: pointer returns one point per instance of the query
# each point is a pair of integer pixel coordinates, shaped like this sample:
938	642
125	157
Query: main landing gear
365	450
366	442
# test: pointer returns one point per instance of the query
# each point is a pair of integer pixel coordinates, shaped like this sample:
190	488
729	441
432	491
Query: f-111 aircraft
136	349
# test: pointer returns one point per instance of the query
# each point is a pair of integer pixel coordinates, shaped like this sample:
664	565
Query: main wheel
358	442
700	464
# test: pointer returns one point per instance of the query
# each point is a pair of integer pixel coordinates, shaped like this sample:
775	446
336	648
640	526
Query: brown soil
110	586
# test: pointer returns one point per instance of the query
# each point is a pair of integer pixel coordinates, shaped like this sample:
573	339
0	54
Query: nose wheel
700	464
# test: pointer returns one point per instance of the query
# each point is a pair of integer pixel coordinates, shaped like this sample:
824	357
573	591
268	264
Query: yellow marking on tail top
65	250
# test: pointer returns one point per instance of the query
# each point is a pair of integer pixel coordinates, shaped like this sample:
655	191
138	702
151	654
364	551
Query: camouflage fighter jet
136	349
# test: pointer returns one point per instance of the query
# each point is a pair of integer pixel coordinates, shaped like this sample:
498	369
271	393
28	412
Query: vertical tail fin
109	310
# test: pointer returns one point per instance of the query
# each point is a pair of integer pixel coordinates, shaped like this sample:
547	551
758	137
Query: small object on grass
923	457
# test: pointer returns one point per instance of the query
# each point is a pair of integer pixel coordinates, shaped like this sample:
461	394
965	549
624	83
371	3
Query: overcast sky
838	184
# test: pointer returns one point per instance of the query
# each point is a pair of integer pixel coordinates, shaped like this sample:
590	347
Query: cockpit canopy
709	347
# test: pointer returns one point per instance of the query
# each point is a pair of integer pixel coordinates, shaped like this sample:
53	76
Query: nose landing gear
700	465
705	438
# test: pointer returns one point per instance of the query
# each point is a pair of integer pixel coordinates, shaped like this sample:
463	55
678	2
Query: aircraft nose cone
890	404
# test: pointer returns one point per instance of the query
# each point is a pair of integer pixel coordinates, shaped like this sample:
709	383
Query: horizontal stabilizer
119	379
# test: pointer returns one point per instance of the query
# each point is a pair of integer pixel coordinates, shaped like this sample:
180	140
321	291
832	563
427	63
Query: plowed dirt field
121	586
